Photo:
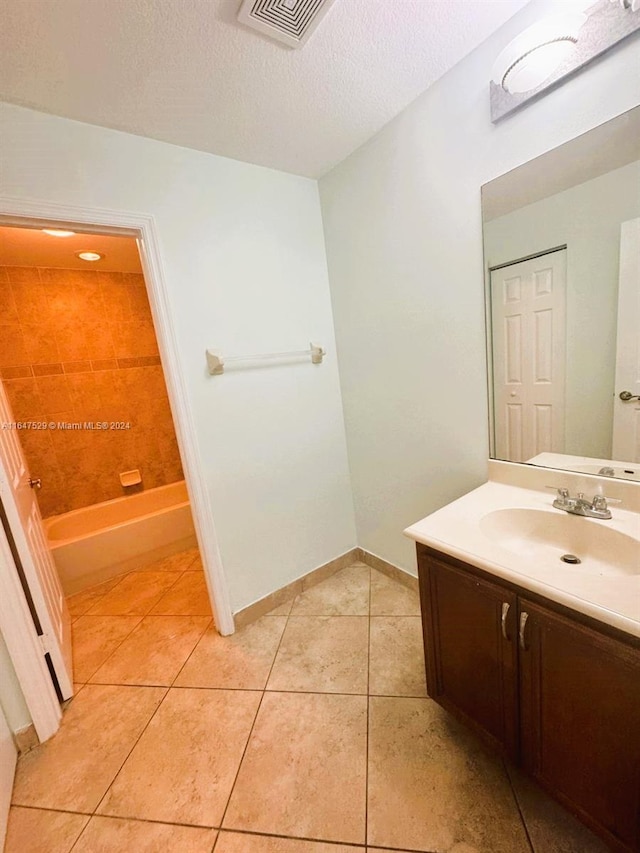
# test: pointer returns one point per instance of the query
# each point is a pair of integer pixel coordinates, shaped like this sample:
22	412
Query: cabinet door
471	650
580	720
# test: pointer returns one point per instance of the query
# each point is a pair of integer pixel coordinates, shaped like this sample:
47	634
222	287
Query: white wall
243	252
404	245
587	218
12	700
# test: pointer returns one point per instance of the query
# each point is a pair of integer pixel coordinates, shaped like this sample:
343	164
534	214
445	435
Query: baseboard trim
394	572
26	739
280	596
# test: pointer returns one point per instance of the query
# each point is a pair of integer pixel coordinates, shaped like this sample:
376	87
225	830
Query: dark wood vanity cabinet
552	690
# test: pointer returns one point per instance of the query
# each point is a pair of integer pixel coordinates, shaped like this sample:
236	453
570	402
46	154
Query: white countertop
456	529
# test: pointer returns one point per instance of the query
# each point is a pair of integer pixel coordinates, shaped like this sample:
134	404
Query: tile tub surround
263	743
78	346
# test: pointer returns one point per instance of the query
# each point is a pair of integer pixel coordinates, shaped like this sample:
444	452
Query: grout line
263	691
258	690
137	740
188	658
109	656
517	802
366	752
305	838
166	693
246	746
49	809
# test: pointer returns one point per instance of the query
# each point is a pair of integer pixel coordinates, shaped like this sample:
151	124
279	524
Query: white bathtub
95	543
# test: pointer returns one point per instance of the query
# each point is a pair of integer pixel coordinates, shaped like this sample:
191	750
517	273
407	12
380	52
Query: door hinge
44	642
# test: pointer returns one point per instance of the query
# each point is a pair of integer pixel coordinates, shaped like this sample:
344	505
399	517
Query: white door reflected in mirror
580	201
626	412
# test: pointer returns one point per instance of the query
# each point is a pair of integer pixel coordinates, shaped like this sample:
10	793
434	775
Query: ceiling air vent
288	21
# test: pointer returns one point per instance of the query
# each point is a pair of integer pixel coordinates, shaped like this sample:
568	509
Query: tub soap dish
131	478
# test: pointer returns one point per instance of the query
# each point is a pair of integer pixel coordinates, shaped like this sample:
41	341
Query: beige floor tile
187	597
154	652
433	786
344	594
550	827
180	562
95	638
81	602
183	767
241	661
304	772
396	657
115	835
135	595
237	842
73	770
322	654
40	831
390	598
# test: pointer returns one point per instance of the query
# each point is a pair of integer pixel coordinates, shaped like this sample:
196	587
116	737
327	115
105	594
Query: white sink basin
548	535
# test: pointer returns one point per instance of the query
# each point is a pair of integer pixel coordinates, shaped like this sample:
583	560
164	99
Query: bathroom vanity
531	611
540	657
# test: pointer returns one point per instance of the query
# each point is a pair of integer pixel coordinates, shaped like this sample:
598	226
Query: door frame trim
142	226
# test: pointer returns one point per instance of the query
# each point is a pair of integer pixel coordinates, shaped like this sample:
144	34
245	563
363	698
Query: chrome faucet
597	508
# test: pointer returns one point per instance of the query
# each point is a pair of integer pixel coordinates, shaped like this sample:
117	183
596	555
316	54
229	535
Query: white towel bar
216	362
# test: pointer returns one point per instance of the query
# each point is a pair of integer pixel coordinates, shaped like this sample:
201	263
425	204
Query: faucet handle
562	500
562	491
601	501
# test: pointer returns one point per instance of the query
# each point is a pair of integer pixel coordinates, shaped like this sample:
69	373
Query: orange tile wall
77	347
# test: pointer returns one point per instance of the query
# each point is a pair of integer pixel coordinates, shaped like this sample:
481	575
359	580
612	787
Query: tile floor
308	731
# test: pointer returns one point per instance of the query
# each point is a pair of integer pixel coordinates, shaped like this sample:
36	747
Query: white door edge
17	211
25	650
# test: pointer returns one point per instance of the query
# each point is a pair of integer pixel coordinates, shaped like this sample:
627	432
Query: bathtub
95	543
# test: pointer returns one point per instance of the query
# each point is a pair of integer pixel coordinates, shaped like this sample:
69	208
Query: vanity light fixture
536	53
89	256
545	54
55	232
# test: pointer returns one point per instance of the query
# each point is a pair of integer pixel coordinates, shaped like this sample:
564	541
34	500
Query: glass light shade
529	72
530	58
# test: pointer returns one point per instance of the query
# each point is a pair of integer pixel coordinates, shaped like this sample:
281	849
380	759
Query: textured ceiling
186	72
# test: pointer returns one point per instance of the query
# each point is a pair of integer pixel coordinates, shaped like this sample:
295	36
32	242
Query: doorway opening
99	509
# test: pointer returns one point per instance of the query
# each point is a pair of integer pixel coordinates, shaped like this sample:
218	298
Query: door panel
580	720
528	333
471	664
25	523
626	415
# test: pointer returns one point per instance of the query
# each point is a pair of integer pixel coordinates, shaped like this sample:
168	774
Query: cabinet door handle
523	624
503	620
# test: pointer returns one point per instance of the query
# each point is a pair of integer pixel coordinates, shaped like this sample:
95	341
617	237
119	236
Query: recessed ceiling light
54	232
89	256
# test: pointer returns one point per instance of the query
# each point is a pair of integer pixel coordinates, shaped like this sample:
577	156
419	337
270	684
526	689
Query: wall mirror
562	278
